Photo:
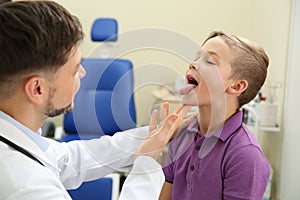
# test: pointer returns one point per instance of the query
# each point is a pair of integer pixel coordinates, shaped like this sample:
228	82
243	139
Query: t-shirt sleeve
168	174
246	174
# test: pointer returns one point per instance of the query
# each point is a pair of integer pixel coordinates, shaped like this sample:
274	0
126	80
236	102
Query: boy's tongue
186	89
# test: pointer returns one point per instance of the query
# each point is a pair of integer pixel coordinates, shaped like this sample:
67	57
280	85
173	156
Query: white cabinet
253	121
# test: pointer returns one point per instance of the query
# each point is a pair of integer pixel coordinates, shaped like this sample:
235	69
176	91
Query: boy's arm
246	174
166	192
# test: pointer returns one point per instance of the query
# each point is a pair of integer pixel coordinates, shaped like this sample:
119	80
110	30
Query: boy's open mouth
192	83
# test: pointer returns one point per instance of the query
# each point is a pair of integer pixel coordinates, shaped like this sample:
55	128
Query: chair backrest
105	102
104	30
106	188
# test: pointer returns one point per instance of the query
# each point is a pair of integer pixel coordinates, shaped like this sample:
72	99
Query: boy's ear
34	89
238	87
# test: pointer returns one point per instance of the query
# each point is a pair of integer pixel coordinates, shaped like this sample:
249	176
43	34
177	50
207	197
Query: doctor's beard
51	111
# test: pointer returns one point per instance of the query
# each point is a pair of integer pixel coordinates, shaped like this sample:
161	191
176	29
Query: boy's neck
210	120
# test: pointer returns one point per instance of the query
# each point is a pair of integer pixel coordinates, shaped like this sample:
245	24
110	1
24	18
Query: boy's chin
189	100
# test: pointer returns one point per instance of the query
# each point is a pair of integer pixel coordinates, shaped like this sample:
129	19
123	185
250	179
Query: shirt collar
34	136
225	131
194	126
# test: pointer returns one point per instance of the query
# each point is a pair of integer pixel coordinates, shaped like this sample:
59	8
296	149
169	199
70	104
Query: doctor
40	73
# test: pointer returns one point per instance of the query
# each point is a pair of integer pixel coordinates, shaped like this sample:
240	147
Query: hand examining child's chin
160	134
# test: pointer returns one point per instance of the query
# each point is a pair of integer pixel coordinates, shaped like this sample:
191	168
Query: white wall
290	174
264	21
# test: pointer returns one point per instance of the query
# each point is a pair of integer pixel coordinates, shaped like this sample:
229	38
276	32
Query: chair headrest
104	29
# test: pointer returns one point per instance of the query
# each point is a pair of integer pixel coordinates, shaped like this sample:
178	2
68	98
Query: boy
217	157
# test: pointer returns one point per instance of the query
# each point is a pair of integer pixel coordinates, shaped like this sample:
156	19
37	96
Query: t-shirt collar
225	131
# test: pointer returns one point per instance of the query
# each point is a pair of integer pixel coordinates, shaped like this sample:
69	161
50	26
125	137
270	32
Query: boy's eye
210	62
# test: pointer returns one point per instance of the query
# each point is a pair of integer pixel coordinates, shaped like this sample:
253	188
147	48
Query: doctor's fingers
184	110
165	111
170	123
169	128
180	121
164	114
187	120
165	126
153	121
154	118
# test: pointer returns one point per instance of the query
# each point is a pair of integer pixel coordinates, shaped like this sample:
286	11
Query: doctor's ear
34	89
238	87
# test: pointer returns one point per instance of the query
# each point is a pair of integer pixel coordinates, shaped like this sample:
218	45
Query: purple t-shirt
225	164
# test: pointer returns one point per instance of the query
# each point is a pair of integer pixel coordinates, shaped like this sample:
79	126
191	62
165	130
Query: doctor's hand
160	135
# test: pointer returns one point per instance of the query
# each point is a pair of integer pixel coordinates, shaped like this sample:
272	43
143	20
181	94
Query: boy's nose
194	66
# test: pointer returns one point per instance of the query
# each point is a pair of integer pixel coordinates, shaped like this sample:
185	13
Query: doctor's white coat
67	165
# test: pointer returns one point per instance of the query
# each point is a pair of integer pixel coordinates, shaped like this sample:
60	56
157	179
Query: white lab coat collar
15	135
35	136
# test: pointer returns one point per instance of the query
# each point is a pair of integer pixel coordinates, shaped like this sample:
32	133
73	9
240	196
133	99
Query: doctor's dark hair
249	62
35	37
